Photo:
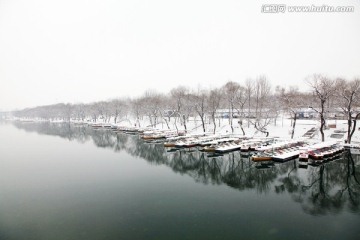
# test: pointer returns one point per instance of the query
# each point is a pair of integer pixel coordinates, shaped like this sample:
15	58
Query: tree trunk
231	120
248	117
138	120
293	126
322	121
167	124
177	130
241	126
214	121
242	129
150	119
202	122
164	118
184	119
349	127
353	127
322	124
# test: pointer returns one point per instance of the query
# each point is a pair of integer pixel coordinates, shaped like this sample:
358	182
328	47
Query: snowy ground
282	128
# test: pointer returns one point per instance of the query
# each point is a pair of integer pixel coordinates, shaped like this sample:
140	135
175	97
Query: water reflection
330	188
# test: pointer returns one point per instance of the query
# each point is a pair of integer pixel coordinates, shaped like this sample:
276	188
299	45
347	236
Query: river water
61	181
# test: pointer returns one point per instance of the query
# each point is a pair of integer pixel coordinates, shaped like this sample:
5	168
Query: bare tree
164	107
151	109
118	108
180	97
104	110
155	107
292	101
348	96
241	99
137	106
214	101
230	91
262	91
262	96
68	111
80	111
323	89
249	86
95	111
200	105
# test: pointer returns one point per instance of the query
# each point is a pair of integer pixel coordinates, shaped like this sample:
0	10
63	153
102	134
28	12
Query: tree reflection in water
328	188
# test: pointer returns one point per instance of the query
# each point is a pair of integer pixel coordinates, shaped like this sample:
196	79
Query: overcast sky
82	51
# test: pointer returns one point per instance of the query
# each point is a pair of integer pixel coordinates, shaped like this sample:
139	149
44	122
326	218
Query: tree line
253	102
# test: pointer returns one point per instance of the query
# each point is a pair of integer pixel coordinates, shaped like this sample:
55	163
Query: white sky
82	51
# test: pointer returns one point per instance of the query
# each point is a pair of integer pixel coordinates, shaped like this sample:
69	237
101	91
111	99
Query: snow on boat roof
323	144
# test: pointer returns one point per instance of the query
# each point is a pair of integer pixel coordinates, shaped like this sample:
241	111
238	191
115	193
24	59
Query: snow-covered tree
322	89
348	96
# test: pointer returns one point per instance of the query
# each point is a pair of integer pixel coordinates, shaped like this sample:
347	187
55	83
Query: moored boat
261	157
324	151
228	147
303	154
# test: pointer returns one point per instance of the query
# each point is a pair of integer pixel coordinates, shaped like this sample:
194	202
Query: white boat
286	155
228	147
303	155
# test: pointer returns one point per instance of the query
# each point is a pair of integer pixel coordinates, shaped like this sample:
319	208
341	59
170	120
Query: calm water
69	182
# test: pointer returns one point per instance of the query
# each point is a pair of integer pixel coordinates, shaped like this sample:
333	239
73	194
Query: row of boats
265	149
